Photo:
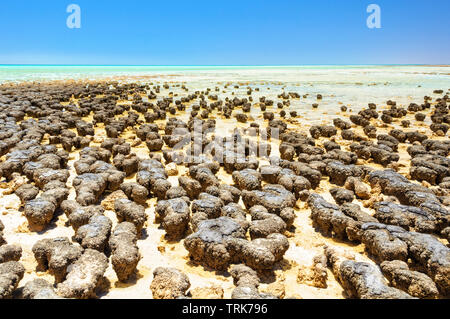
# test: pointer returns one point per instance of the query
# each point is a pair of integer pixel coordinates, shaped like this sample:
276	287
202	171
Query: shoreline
109	73
224	66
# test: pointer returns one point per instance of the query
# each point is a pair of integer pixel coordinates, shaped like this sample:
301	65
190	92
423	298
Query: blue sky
283	32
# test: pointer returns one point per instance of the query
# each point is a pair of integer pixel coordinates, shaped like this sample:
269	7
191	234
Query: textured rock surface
169	283
125	253
84	276
11	273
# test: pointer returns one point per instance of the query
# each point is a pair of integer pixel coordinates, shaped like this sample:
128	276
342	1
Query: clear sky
231	32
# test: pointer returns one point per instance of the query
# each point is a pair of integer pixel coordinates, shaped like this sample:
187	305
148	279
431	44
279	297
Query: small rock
108	202
211	292
172	169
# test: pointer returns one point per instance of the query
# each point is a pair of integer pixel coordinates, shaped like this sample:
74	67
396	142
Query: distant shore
309	75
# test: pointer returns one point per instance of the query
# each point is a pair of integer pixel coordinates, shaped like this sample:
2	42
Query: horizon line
223	65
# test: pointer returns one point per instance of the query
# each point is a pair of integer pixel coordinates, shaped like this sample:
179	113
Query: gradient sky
232	32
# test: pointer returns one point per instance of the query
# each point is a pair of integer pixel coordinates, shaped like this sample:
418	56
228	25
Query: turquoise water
19	73
54	72
354	86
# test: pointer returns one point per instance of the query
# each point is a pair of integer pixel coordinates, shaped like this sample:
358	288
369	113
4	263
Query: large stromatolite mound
339	172
80	215
135	192
408	217
226	193
365	281
124	251
411	194
248	179
415	283
236	162
95	233
205	207
263	223
177	192
431	255
84	276
192	187
260	253
169	283
27	192
317	131
127	163
286	177
152	175
342	195
39	212
174	215
432	168
39	289
356	185
130	211
89	187
270	173
10	253
113	177
426	252
302	169
246	281
331	220
44	176
205	174
56	255
361	280
273	197
11	273
380	242
209	244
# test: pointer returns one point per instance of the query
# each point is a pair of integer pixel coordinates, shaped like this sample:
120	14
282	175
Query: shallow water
354	86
